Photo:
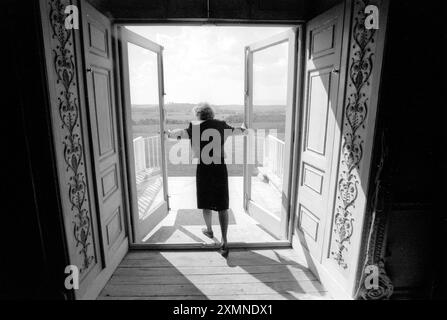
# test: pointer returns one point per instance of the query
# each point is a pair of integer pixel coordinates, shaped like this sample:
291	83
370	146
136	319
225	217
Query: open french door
270	83
321	128
143	93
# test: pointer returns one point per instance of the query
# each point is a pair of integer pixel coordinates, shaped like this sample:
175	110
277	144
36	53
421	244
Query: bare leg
208	219
223	220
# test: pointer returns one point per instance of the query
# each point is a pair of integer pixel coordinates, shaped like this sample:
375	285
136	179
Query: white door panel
142	70
270	68
320	125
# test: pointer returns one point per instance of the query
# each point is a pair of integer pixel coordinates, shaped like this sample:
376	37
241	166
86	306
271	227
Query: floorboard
199	275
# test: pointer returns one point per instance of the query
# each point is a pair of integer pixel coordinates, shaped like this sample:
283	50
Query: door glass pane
268	119
143	84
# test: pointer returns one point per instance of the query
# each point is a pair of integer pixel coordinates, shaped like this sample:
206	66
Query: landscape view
146	123
206	64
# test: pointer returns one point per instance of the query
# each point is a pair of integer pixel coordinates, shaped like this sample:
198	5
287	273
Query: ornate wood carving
361	56
63	54
375	244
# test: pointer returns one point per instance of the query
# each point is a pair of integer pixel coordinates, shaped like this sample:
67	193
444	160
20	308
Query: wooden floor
199	275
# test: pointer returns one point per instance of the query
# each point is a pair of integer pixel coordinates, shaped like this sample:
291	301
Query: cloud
205	63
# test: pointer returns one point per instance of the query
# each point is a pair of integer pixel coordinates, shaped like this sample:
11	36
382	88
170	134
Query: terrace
184	222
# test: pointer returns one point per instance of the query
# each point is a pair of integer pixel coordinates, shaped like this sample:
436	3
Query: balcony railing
147	154
274	155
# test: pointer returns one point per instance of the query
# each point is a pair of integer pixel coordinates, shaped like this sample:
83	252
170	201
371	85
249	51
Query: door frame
298	117
295	133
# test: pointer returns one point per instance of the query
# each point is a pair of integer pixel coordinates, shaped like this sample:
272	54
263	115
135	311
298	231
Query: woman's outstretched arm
242	130
177	134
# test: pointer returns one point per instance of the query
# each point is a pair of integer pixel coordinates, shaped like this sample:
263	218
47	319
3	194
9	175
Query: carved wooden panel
68	132
358	229
358	95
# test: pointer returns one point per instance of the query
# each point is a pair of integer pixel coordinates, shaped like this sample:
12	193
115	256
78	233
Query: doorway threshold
198	246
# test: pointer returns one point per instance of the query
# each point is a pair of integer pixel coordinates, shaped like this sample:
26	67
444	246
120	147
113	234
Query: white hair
203	111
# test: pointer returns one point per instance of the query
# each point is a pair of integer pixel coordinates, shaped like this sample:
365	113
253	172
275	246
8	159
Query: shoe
224	250
207	233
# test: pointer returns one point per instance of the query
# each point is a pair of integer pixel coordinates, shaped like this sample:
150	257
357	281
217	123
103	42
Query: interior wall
34	251
213	9
409	114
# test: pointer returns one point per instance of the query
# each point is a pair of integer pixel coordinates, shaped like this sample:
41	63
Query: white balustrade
274	155
147	153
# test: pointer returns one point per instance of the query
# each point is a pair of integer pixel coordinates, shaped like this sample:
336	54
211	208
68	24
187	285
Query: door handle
335	71
89	70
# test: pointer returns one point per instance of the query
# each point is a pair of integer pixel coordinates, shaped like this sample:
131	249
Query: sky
206	63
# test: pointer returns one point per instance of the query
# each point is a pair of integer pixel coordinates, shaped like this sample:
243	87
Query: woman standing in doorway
208	137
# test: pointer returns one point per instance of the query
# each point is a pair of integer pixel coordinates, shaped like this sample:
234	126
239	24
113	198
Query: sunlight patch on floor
184	223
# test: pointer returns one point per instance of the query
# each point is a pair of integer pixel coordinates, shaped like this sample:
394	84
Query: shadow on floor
202	275
154	279
286	285
186	217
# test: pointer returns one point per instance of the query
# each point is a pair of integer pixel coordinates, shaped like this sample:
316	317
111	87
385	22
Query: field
146	123
145	118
